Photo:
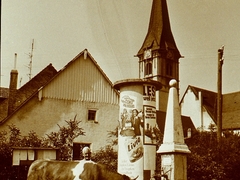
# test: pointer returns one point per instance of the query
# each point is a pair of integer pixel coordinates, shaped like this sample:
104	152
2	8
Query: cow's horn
134	178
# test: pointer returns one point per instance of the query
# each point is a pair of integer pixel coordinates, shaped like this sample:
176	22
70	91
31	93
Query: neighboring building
3	93
79	89
187	124
14	97
231	111
201	106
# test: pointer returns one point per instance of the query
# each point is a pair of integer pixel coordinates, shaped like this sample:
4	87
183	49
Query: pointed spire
173	139
159	35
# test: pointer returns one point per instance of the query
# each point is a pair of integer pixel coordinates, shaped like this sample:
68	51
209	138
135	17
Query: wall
191	106
43	117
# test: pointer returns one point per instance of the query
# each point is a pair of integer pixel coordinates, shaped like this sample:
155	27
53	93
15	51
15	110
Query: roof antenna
30	63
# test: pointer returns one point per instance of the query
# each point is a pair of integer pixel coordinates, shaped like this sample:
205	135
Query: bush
209	160
63	139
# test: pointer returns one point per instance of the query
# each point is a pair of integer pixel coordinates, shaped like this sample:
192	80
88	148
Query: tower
159	55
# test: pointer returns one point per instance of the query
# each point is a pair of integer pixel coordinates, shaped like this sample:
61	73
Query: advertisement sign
149	114
130	141
150	126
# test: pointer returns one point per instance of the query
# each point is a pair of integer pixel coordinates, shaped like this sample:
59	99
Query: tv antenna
30	63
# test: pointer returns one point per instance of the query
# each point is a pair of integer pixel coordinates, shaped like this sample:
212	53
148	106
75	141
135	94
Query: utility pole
219	94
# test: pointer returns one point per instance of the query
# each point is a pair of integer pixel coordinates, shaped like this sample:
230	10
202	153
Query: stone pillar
173	150
137	120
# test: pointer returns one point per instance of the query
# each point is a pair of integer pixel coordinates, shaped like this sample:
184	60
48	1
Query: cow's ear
126	177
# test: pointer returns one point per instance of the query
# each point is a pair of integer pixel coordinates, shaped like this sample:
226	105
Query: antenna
30	63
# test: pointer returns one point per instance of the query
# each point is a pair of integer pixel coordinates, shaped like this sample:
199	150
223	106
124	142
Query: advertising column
136	127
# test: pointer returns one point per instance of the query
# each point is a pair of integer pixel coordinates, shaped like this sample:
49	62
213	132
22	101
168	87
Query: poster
130	141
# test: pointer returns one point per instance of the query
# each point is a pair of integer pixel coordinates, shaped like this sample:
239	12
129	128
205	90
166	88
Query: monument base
174	166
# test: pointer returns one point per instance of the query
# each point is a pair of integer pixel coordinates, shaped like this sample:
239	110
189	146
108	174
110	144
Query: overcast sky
113	32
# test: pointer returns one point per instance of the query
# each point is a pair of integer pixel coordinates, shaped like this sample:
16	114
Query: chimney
13	87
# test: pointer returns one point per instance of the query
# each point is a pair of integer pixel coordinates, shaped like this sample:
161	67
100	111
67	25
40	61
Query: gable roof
230	106
29	88
84	53
85	76
159	35
209	100
186	123
4	92
231	111
42	78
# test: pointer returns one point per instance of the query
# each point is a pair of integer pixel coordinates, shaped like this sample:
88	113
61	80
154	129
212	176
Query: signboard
149	124
130	141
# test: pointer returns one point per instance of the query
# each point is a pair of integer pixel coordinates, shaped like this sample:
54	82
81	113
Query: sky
113	32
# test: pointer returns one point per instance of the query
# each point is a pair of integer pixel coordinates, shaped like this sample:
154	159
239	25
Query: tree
63	139
209	161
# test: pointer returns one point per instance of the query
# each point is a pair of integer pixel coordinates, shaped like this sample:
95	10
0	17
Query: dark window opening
77	150
169	69
91	115
148	68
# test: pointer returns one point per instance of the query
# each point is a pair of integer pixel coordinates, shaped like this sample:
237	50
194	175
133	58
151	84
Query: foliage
63	139
108	156
209	160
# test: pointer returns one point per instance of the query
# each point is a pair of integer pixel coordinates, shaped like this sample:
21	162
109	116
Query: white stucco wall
43	117
192	106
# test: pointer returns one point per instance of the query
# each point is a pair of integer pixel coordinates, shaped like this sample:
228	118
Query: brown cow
66	170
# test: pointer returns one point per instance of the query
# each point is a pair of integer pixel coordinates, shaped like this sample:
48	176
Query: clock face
147	53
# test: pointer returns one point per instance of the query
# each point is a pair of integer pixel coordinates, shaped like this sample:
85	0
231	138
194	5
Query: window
92	115
169	71
148	68
77	150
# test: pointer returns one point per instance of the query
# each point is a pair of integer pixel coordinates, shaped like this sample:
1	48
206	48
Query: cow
66	170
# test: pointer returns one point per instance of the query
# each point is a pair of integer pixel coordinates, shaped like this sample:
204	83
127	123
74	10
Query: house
3	93
231	111
187	124
79	89
201	106
12	97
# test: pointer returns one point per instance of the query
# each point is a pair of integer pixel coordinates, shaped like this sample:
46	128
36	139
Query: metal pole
219	94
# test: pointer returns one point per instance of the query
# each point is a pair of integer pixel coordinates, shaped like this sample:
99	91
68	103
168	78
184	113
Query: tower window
148	68
169	69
